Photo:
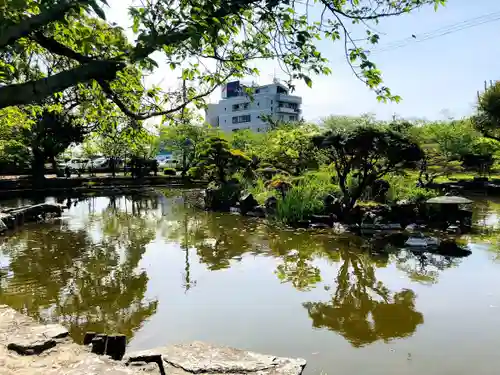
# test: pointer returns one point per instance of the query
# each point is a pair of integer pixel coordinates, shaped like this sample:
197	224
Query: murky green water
162	273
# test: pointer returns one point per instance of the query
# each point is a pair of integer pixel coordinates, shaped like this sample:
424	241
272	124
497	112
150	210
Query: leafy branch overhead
50	46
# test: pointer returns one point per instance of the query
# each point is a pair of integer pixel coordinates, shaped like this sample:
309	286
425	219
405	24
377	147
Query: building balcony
289	110
290	98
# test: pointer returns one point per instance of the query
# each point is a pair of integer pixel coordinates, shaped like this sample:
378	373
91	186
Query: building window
292	118
257	91
240	119
258	103
236	107
245	105
271	101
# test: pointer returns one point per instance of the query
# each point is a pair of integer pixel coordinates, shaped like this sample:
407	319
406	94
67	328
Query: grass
307	192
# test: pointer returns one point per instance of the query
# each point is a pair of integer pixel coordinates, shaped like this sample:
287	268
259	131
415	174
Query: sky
437	78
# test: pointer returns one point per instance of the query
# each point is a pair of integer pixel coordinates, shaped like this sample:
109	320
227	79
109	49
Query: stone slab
64	358
29	348
204	358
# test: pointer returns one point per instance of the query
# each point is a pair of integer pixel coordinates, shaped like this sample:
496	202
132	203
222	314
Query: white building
238	110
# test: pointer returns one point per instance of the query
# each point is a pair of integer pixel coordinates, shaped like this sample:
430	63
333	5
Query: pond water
161	273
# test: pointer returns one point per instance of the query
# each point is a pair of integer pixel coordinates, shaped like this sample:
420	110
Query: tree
183	138
290	148
185	32
218	160
487	118
365	154
50	134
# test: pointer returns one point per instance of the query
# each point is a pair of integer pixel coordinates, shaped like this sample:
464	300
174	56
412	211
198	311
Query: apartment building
240	110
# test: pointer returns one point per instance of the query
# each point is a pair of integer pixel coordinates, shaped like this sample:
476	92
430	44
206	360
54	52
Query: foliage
94	52
305	198
487	118
404	188
290	148
183	138
366	154
169	172
218	160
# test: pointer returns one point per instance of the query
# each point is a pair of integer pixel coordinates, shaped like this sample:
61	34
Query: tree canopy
49	47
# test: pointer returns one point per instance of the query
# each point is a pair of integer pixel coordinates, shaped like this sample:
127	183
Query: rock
271	203
202	358
248	203
65	358
223	197
258	211
324	219
319	226
37	339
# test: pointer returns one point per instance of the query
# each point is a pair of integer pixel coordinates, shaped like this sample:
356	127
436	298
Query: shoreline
31	348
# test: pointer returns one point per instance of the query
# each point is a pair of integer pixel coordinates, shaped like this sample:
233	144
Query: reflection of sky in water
244	303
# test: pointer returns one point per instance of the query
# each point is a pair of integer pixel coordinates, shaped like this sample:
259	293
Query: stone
248	203
203	358
271	204
37	339
66	358
324	219
258	211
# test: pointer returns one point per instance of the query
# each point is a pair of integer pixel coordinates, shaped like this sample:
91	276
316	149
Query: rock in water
248	203
203	358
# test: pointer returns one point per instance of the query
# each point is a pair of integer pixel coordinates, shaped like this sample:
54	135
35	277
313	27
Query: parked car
168	163
103	163
77	164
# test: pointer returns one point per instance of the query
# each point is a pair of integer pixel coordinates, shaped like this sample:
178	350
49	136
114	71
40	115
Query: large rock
39	355
222	197
247	203
203	358
29	348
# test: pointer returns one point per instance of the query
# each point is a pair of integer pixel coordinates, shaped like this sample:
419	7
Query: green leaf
307	80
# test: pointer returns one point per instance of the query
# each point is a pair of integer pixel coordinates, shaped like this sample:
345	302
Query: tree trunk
38	168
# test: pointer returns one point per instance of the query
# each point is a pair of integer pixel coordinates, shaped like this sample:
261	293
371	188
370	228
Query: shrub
169	172
404	188
196	173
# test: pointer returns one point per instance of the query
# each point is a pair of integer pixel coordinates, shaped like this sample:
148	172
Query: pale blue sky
442	74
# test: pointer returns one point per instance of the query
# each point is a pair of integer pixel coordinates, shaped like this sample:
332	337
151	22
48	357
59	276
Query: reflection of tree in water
423	268
218	239
297	252
362	309
58	274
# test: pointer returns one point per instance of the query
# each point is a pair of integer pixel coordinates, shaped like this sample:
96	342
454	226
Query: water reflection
362	309
85	278
85	271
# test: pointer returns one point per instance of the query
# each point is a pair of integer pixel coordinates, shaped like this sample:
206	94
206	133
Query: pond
161	272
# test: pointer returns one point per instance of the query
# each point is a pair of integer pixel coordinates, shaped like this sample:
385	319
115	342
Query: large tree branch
34	23
34	91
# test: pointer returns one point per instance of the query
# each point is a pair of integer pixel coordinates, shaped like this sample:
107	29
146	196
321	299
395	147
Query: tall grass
305	198
404	188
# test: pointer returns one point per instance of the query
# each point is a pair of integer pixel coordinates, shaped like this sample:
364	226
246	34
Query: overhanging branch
34	23
34	91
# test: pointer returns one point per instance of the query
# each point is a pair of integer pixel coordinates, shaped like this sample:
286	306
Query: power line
450	29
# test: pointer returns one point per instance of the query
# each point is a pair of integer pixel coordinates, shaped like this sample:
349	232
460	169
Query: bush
196	173
169	172
404	188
